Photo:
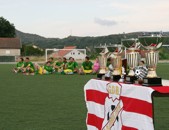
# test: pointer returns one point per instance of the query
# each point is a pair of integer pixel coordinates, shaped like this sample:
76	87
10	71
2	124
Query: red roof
62	53
153	44
10	43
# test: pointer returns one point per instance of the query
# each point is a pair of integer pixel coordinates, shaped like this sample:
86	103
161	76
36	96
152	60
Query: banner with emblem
118	106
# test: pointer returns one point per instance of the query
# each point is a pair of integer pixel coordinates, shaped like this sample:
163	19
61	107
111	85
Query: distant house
9	49
36	47
72	52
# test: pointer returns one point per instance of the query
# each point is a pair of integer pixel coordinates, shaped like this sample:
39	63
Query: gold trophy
117	61
152	43
132	56
103	54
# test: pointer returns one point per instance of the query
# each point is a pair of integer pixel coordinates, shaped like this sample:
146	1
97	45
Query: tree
164	55
7	29
29	50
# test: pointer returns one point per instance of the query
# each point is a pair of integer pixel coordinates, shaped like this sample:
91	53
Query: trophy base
152	82
130	79
102	77
116	78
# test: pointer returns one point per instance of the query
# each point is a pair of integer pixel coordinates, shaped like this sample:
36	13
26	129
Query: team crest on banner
113	108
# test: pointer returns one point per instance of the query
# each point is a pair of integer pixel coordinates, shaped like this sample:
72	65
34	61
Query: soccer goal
77	54
167	46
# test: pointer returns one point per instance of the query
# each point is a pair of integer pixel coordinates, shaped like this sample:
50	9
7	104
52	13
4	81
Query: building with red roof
70	51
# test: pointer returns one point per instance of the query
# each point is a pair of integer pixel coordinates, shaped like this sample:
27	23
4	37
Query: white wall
77	55
9	52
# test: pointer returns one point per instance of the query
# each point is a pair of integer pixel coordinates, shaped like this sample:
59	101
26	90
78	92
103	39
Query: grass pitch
55	102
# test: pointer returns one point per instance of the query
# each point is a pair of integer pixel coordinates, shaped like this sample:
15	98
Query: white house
70	51
76	54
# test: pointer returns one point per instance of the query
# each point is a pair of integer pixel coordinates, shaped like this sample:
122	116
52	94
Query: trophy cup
152	43
103	51
117	61
132	56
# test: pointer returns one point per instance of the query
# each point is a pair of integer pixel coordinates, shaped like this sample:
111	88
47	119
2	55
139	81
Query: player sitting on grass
87	66
59	65
96	66
28	67
52	63
38	69
70	66
19	66
76	70
64	62
47	68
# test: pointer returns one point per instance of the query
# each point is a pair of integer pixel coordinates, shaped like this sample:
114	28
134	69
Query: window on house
8	52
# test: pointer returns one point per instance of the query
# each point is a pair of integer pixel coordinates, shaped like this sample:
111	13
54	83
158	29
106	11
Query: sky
62	18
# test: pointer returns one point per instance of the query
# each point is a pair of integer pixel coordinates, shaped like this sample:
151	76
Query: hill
80	42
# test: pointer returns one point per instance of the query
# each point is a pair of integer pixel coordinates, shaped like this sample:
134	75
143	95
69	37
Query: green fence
7	58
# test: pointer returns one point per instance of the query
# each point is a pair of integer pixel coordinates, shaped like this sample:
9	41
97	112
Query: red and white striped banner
118	106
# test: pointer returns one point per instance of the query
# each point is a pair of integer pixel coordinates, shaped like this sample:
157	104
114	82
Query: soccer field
55	102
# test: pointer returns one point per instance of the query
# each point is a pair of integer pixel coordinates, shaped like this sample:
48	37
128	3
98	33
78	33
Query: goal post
77	54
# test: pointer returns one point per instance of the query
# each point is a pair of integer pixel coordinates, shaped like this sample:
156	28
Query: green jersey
70	65
20	64
87	65
75	64
48	68
59	64
64	62
52	63
29	64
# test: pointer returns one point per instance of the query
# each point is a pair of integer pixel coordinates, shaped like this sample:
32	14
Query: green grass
47	102
55	102
161	104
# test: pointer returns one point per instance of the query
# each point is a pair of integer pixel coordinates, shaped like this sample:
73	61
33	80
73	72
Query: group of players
70	66
61	66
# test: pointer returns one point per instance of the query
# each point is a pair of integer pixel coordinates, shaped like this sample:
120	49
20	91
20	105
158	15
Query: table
120	106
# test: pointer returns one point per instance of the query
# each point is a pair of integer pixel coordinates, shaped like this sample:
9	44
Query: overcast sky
61	18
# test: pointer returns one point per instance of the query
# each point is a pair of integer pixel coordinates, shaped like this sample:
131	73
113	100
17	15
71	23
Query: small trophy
152	43
103	51
132	56
117	61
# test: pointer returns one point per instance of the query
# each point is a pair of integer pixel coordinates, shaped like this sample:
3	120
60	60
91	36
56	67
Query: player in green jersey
87	66
70	66
51	60
19	65
28	67
38	69
47	68
64	62
59	65
76	70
